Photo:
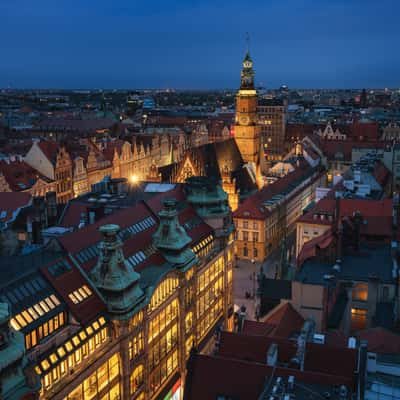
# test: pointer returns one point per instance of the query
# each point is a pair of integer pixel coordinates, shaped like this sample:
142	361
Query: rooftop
369	263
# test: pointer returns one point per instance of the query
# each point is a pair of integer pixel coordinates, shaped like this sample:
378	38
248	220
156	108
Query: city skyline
199	45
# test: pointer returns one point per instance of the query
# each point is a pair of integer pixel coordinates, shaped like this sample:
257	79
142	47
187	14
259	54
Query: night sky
198	44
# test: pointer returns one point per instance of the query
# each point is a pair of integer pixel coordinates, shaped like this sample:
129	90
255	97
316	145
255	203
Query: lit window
360	292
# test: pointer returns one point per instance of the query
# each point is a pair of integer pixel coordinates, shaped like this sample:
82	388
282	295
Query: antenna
248	41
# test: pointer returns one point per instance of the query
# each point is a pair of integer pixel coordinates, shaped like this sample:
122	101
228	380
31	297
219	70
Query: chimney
362	368
51	204
82	220
272	355
306	334
241	317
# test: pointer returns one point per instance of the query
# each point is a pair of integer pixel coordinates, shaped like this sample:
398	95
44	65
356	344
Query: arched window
136	379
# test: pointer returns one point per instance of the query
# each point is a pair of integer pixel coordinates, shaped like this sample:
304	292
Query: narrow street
245	277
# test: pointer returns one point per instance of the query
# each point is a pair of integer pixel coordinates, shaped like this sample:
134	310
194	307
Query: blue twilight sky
198	43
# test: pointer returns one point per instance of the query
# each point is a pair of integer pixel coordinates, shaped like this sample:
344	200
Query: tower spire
247	42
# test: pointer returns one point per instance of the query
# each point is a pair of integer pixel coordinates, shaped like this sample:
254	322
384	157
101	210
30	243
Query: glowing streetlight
134	179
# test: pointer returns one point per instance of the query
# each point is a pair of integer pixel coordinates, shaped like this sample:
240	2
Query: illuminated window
136	379
188	321
136	345
358	319
163	291
360	292
80	294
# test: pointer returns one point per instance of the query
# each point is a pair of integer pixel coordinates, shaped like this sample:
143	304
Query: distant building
272	120
263	219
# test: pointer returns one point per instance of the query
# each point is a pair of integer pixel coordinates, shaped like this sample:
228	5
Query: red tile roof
19	175
72	214
85	311
90	235
364	130
242	358
375	212
282	321
381	340
49	149
253	206
257	328
242	379
318	358
309	248
11	203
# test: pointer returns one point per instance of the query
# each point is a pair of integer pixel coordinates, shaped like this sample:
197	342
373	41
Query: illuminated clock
247	64
244	119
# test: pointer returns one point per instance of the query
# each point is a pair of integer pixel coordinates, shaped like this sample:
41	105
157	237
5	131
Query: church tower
247	130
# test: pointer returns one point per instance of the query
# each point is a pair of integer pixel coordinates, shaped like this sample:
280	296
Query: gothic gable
186	170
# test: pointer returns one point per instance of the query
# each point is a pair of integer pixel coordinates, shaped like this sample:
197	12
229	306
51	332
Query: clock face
247	64
244	119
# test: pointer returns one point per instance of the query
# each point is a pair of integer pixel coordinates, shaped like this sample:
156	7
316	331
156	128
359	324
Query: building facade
117	315
272	121
263	219
247	129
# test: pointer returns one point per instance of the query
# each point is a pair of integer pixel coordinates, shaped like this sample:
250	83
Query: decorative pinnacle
109	232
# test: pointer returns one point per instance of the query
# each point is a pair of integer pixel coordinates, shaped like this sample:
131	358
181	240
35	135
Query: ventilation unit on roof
352	343
291	382
319	338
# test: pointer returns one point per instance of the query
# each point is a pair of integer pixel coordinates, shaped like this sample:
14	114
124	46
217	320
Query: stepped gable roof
77	150
144	140
212	159
253	207
11	203
381	340
50	149
112	146
19	175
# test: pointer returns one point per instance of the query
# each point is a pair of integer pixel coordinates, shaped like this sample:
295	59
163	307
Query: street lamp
134	179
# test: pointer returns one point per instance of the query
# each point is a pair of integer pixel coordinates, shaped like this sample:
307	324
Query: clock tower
247	130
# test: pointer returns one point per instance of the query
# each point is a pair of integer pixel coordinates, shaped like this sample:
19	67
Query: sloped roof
49	149
19	175
253	206
282	321
11	203
242	379
381	340
211	159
